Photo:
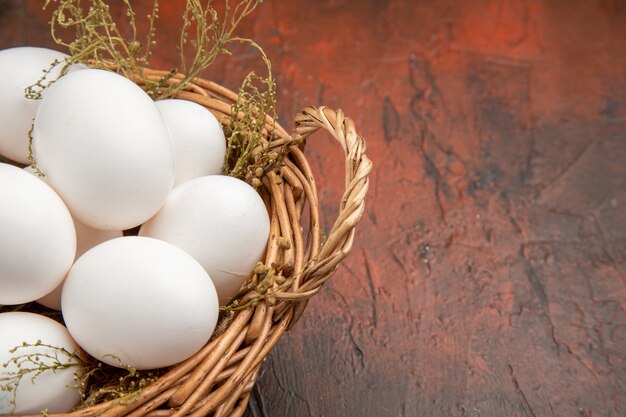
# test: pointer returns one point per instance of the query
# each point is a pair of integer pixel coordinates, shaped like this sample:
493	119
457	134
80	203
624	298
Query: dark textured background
489	274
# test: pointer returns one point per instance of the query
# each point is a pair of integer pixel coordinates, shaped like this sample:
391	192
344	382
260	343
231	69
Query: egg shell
198	139
222	222
104	147
20	68
154	305
50	390
37	239
86	238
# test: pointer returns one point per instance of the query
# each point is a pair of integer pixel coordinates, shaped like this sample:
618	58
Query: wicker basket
218	379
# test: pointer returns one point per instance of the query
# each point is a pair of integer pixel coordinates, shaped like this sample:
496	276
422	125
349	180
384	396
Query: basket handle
358	167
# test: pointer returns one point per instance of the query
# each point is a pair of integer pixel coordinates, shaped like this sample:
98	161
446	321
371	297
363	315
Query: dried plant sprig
34	91
122	382
31	365
246	129
212	35
266	284
250	132
97	40
95	380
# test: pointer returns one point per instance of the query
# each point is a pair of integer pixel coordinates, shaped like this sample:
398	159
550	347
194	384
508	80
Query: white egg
222	222
104	147
140	302
37	238
198	139
52	390
20	68
86	238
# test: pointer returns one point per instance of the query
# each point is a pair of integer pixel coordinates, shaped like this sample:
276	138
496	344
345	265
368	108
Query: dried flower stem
46	358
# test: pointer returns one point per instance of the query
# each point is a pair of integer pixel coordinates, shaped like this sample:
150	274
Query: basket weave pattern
218	379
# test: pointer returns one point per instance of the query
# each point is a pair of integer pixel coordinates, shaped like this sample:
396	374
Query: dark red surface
488	278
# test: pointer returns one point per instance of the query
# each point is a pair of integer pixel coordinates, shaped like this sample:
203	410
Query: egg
20	68
222	222
86	238
198	139
53	390
154	305
37	238
104	147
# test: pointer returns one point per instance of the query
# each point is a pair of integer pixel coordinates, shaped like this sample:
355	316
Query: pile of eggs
112	160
